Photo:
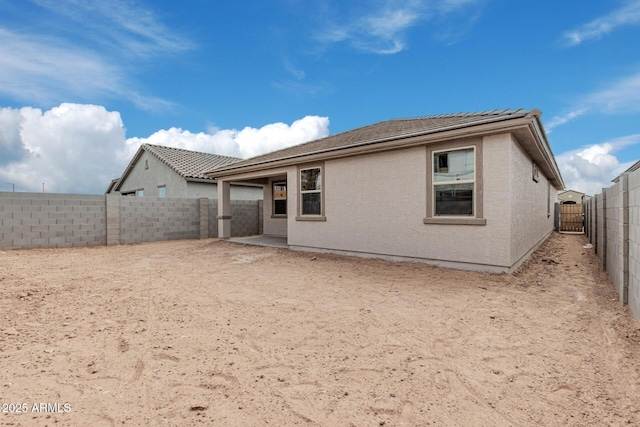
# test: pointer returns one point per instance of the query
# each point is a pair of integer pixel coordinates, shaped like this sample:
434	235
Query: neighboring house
634	167
173	172
570	197
111	185
469	190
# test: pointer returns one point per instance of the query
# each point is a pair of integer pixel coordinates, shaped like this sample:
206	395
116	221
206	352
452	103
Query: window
162	191
279	198
311	191
140	193
454	182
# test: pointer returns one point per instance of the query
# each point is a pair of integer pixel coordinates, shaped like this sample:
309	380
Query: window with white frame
162	191
454	182
279	198
140	192
311	191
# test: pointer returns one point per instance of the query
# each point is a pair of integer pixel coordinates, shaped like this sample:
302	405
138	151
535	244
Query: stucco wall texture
159	174
531	203
275	226
376	203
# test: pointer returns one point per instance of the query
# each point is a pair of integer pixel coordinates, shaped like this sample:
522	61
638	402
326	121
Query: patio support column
224	209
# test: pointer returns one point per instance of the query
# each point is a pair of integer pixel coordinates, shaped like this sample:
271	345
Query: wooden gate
571	218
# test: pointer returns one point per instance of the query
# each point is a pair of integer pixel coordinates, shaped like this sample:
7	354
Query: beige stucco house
469	190
160	171
570	196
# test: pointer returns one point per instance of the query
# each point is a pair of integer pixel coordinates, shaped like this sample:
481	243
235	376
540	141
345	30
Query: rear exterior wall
376	203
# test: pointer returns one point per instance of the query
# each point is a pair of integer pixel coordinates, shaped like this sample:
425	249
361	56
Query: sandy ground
213	333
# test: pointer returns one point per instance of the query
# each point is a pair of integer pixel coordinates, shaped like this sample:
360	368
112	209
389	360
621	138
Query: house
634	167
570	197
112	184
174	172
468	190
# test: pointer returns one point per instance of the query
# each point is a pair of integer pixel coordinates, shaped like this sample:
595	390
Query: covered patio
275	208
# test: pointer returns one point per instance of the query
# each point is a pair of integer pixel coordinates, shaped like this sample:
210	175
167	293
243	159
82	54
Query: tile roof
385	131
188	164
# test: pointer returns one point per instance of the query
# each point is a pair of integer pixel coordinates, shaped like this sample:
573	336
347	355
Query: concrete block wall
634	243
35	220
114	205
615	235
599	215
592	220
153	219
260	216
32	220
245	217
213	218
614	244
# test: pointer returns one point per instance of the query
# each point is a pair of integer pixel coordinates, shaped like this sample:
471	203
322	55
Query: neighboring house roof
633	167
569	191
111	185
190	165
568	195
396	132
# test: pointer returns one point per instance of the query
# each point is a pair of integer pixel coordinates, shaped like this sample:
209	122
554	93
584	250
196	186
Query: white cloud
295	71
245	143
77	148
589	169
626	15
382	30
622	96
37	68
71	148
566	118
132	29
97	54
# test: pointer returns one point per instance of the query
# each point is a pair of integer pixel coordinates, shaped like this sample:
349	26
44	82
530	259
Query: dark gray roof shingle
384	131
188	164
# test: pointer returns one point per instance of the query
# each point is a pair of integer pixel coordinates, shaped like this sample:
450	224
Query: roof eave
530	122
222	171
545	148
129	168
205	180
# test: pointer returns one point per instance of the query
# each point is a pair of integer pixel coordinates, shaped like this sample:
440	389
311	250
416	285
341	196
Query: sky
84	83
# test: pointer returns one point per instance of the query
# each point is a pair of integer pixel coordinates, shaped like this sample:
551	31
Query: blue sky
83	83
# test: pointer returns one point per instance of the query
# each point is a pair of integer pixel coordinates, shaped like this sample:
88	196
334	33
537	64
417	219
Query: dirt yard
214	333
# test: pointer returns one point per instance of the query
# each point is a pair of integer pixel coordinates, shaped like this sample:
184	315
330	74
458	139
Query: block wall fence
34	220
612	220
